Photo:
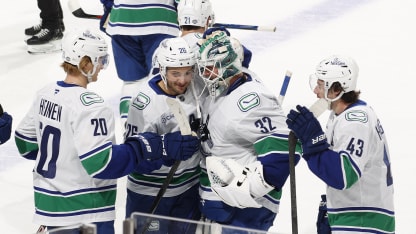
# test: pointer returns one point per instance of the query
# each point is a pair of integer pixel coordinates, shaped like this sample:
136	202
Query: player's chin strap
235	184
89	74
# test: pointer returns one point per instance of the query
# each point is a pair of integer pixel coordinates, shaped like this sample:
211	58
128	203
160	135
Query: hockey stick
283	89
246	27
182	119
78	12
317	109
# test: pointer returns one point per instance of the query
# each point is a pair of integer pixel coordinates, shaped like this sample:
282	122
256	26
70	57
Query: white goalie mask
174	52
217	52
336	68
76	45
195	13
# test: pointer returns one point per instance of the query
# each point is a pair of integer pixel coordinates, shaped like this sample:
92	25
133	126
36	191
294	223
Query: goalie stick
180	115
317	109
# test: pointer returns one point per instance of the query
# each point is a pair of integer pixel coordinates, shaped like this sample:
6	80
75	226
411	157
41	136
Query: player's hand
212	31
5	127
308	130
107	5
180	147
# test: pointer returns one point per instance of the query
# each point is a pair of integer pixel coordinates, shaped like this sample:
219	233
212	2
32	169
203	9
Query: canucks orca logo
90	98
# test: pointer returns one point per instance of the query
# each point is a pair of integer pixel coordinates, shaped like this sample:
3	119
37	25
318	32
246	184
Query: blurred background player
136	28
69	132
46	36
352	157
149	112
244	140
5	126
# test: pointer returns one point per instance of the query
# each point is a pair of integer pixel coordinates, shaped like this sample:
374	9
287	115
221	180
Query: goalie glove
235	184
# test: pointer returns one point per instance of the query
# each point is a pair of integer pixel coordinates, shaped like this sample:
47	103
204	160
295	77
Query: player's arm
336	168
103	159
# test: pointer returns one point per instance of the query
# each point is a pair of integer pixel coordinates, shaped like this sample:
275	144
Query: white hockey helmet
174	52
337	68
77	44
195	13
217	51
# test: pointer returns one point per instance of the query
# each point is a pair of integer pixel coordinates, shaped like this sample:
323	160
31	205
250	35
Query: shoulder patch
357	115
90	98
248	102
141	101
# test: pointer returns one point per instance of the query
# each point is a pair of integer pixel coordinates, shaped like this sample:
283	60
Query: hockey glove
322	224
212	31
147	146
179	147
107	5
308	130
5	127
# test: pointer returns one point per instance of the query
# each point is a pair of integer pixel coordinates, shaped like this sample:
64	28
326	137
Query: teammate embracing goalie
244	140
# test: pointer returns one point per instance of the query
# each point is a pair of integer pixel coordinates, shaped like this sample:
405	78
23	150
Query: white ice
379	34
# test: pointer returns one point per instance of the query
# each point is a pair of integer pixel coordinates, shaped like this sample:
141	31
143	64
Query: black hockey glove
151	146
308	130
180	147
5	126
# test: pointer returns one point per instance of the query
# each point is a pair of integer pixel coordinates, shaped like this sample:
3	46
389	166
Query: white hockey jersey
69	131
358	172
149	112
246	124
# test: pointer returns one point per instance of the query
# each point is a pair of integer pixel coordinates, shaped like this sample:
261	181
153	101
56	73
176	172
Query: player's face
178	79
209	72
319	89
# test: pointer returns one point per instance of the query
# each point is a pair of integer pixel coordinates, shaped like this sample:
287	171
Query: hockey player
69	132
245	141
46	36
136	28
5	126
352	157
149	112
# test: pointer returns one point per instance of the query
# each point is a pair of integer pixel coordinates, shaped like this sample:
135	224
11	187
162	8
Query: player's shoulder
358	112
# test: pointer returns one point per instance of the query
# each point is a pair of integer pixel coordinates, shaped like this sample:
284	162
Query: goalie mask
195	13
174	52
76	45
218	62
334	69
